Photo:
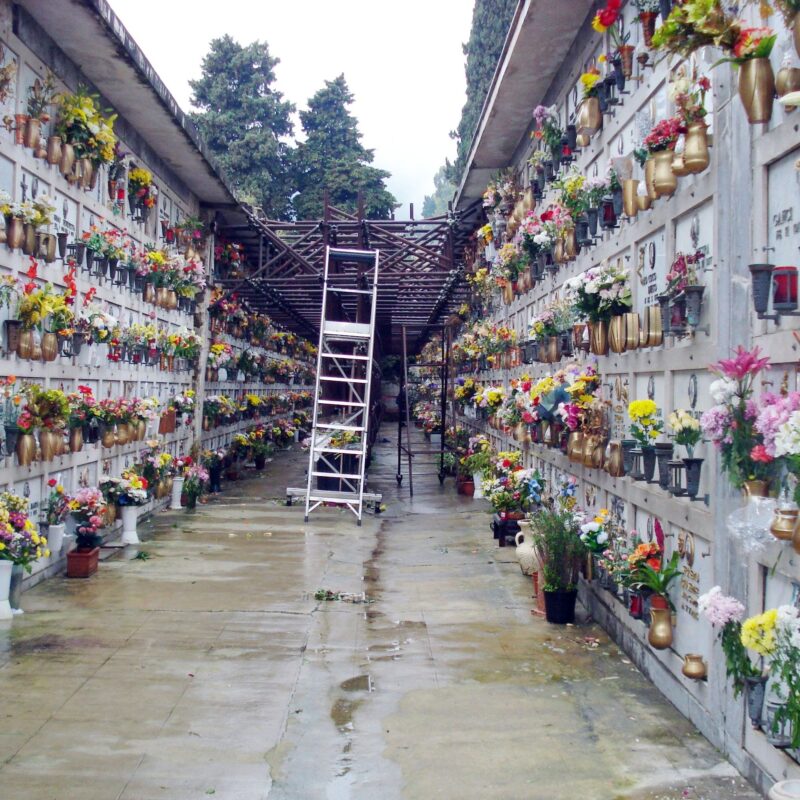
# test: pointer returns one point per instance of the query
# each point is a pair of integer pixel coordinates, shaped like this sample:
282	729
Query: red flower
759	454
52	482
506	463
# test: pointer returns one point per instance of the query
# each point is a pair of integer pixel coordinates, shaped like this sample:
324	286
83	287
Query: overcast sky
402	60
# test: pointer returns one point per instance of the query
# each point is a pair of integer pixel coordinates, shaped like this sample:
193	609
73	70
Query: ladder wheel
305	519
359	523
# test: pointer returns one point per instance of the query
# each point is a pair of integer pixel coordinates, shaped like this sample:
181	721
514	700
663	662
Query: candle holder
676	478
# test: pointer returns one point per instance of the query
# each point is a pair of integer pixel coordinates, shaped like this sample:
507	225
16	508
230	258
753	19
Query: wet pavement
210	669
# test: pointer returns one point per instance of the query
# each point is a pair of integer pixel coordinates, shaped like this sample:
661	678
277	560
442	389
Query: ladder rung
334	497
349	356
350	403
341	380
342	475
343	290
332	427
352	255
342	451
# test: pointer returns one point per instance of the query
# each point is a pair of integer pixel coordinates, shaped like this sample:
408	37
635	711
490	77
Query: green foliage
658	580
333	158
559	548
436	204
490	23
244	122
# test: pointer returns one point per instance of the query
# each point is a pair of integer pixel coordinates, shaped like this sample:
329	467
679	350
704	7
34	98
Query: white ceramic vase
5	588
55	539
526	554
129	519
177	491
785	790
477	479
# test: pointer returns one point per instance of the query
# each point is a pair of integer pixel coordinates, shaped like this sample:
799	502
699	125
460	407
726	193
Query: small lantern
636	473
761	276
676	473
610	84
784	289
572	137
608	217
567	156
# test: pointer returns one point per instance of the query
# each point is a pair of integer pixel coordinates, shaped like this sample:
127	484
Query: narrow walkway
211	670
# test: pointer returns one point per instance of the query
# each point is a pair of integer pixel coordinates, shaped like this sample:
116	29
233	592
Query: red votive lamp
784	288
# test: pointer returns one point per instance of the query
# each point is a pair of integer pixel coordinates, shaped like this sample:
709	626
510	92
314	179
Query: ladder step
343	290
348	356
332	427
340	450
350	403
339	254
333	497
357	330
342	475
341	380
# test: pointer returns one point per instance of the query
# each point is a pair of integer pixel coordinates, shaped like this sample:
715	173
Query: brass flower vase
571	248
664	181
632	325
521	433
617	334
756	489
783	523
757	89
598	338
630	188
29	239
694	667
107	437
75	440
48	444
25	345
649	178
15	233
660	633
49	347
590	118
33	132
66	164
161	296
558	252
695	148
171	300
123	434
508	294
25	449
679	165
614	459
149	294
553	350
54	150
141	430
575	446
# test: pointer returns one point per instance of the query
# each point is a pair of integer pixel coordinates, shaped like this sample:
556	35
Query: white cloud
403	62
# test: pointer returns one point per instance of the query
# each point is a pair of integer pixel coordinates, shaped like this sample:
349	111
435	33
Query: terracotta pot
25	449
590	118
15	233
66	164
598	338
54	150
33	133
629	194
648	20
660	633
695	148
650	176
757	89
694	667
82	563
49	442
617	334
25	347
20	122
664	181
76	440
49	347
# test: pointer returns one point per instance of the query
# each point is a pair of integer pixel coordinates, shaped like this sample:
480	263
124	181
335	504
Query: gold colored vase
632	330
679	165
25	346
54	150
141	430
108	438
15	233
664	181
617	334
558	252
508	293
123	433
655	335
614	465
553	350
643	202
630	188
660	633
67	163
171	300
575	446
590	118
49	347
149	295
694	667
587	451
695	148
521	433
650	176
783	522
75	440
756	489
49	442
571	248
26	449
161	296
598	338
757	89
29	239
33	132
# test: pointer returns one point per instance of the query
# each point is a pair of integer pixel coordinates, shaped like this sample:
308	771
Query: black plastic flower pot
628	446
582	232
616	199
549	173
761	278
592	215
665	7
572	137
649	463
694	304
559	606
619	75
693	470
663	302
663	456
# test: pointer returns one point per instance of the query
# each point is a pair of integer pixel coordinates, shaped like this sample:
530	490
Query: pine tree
437	203
333	158
244	122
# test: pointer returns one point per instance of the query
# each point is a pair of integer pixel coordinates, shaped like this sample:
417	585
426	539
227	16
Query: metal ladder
344	358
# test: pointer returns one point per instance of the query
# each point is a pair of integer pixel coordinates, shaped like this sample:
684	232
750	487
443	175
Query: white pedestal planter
477	479
177	491
55	540
222	374
5	587
785	790
129	517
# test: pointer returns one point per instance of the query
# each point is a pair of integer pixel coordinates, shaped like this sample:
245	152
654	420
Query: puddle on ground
51	643
342	712
361	683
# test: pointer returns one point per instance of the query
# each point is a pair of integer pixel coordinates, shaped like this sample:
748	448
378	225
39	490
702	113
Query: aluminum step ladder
344	360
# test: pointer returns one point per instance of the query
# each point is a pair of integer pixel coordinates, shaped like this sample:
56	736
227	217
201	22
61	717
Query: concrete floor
211	670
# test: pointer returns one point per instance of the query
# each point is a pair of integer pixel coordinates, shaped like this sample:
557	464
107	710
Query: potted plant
212	461
561	553
195	480
55	512
477	461
686	430
87	508
129	491
645	429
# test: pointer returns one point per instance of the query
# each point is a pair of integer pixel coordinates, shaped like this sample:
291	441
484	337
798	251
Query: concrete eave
539	40
92	36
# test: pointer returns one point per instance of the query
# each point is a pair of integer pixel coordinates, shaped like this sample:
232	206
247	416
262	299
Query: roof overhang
540	38
95	40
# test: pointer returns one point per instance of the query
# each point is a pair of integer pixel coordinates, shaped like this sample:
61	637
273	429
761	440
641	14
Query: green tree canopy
333	158
244	122
436	204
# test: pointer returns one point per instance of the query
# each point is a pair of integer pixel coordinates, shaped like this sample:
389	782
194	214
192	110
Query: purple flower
720	609
716	423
